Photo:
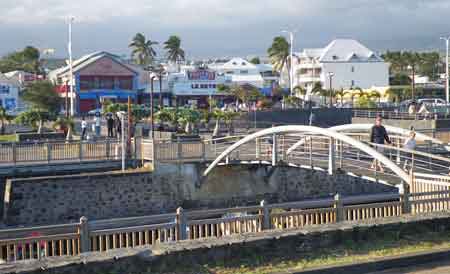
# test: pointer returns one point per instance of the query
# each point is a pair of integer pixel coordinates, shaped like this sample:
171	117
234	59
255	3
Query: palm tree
340	94
357	92
279	53
175	53
376	95
319	90
143	51
395	95
414	60
63	123
300	92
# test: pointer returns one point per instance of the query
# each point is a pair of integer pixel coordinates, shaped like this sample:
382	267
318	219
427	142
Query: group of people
113	124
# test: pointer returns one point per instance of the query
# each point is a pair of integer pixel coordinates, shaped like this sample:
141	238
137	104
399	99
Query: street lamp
291	71
69	47
447	93
331	75
152	125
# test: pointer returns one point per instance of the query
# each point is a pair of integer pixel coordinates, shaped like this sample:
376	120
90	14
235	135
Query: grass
8	138
349	251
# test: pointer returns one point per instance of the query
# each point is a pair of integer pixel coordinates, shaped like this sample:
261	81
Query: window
353	83
335	57
353	69
244	71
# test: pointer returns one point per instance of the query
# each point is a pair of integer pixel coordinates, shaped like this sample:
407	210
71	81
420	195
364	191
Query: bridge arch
315	130
368	127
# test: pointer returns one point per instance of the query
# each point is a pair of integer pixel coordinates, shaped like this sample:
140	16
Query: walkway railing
12	154
397	115
104	235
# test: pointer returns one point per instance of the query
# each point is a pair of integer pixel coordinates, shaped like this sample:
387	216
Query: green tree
413	59
188	118
255	60
142	50
27	59
320	91
3	117
395	95
300	92
33	118
44	99
279	53
65	123
175	53
340	94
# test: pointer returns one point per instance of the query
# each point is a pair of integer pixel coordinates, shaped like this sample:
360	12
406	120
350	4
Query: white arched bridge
339	149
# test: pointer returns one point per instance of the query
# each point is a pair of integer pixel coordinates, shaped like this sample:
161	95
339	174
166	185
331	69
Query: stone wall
60	199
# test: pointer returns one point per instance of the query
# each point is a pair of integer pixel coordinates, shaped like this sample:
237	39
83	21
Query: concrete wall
61	199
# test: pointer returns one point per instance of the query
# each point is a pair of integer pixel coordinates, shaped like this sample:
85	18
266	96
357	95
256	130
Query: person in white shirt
410	144
83	128
97	120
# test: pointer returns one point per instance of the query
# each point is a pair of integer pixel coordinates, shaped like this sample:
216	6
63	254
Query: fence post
258	149
85	242
339	206
179	149
80	150
274	150
203	151
49	152
331	157
14	153
108	146
265	215
406	198
181	224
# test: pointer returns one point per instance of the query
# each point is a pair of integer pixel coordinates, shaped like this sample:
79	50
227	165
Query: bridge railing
58	151
18	244
397	115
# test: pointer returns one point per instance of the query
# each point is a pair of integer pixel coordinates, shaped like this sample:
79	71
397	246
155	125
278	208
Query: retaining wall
62	199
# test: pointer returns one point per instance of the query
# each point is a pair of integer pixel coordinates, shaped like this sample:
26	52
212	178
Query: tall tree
175	53
255	60
413	60
27	59
279	53
142	50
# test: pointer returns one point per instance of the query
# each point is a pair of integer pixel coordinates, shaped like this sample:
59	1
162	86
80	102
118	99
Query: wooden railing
100	236
12	154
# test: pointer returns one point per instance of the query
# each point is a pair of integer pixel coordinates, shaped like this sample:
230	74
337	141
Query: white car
432	101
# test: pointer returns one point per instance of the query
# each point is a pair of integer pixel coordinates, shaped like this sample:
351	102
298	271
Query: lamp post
152	124
447	93
69	47
331	75
291	71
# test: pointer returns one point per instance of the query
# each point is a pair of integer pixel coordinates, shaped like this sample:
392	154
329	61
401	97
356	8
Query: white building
9	93
350	63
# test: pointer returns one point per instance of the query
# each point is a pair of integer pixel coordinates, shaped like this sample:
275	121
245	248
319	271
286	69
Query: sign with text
203	75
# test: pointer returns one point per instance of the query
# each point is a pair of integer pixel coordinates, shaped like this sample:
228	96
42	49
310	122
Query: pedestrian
97	122
110	124
83	128
118	127
379	136
410	144
312	118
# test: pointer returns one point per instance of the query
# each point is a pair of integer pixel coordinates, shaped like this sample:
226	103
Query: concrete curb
415	259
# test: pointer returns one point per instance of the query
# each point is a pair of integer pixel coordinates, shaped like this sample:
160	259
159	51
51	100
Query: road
440	267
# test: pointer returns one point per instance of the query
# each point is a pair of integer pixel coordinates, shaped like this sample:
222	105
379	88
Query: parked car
94	111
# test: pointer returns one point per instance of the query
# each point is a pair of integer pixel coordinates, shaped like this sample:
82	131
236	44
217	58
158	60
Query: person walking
379	136
83	128
110	124
410	144
97	122
118	127
312	118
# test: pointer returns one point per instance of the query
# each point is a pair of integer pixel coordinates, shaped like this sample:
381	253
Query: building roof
345	50
238	63
8	80
88	59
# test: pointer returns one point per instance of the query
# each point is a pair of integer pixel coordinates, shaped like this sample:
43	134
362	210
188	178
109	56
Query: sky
221	28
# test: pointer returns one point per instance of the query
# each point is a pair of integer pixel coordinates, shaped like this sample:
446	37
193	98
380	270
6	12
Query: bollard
181	224
405	199
85	242
331	157
339	207
265	213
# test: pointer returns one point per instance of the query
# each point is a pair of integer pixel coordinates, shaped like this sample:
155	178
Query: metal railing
12	154
398	115
18	244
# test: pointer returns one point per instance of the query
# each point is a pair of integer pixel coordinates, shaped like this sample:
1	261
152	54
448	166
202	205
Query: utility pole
72	108
447	78
330	75
291	71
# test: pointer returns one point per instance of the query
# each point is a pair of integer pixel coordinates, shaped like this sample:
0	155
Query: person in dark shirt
379	136
110	123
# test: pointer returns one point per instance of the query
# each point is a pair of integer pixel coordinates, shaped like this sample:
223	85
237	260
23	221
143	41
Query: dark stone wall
61	199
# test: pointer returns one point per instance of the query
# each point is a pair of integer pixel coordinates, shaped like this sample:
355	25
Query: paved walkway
441	267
